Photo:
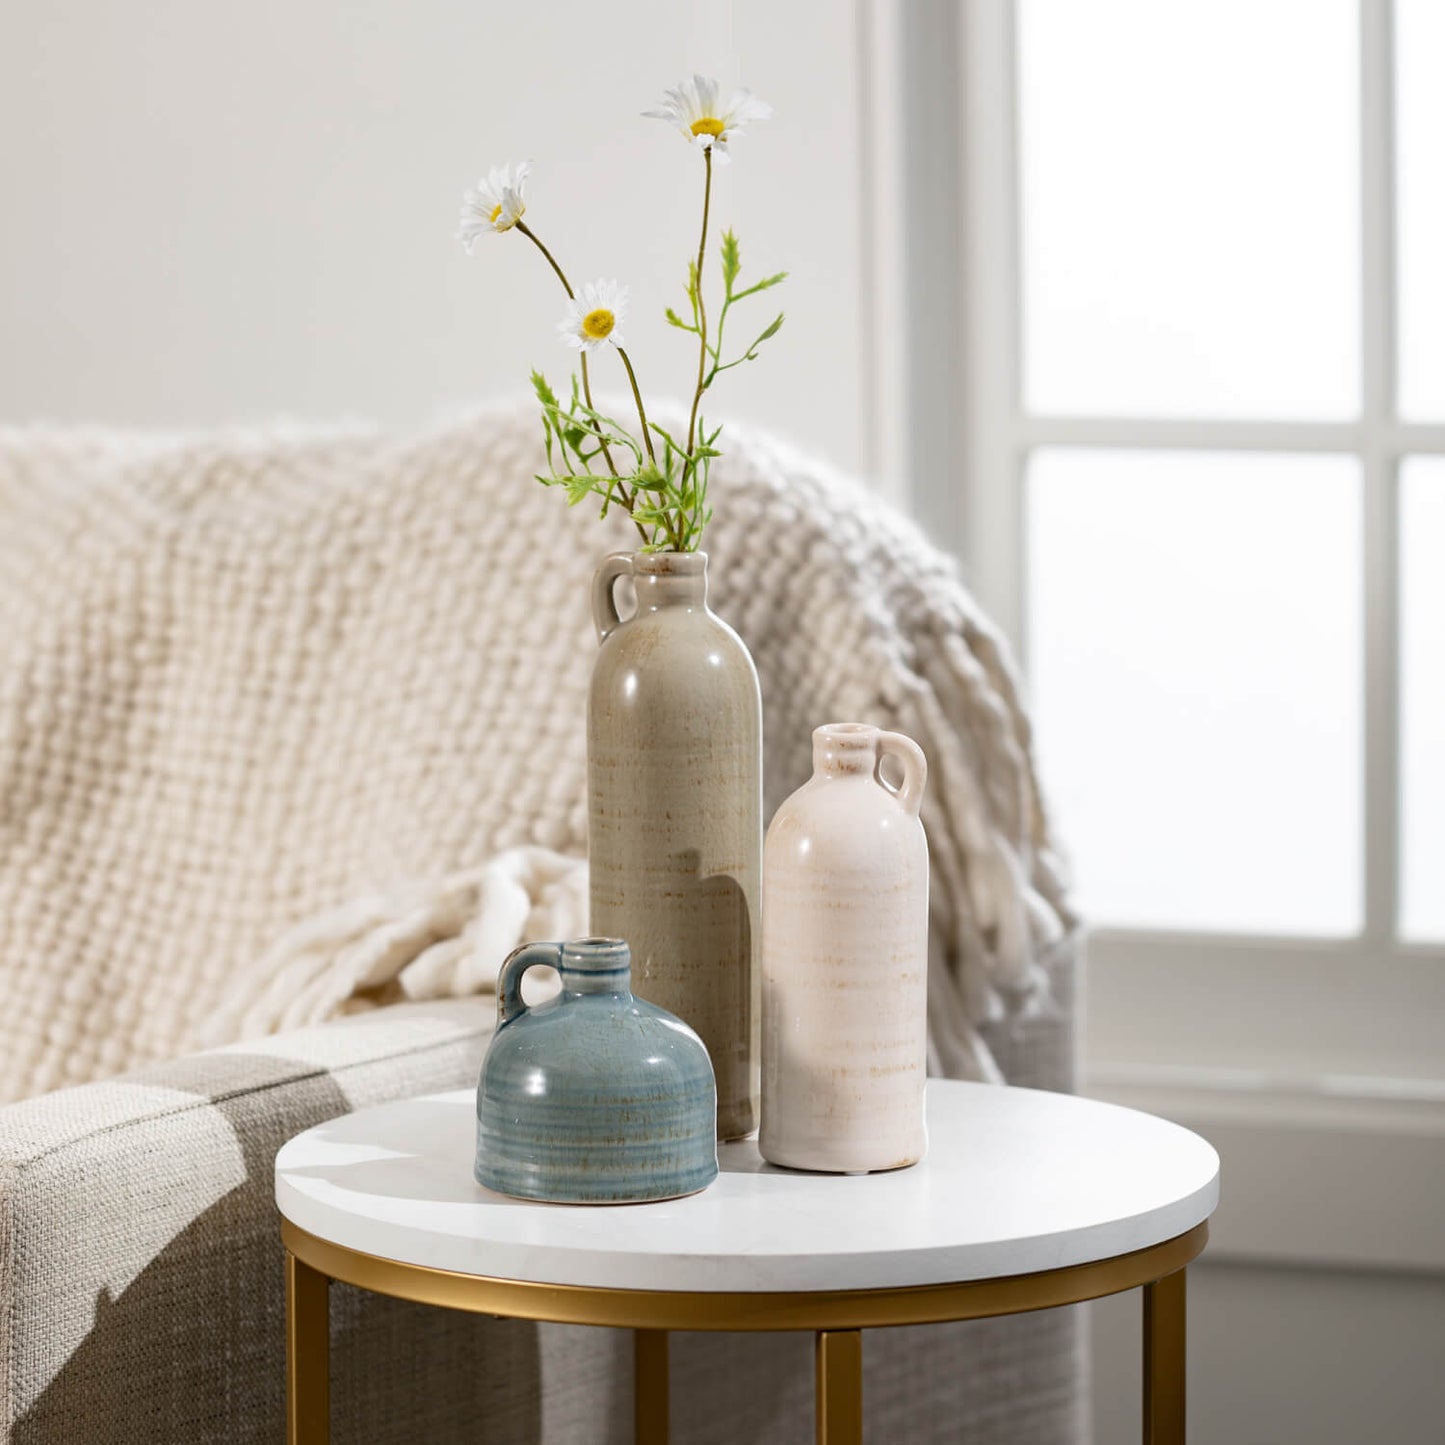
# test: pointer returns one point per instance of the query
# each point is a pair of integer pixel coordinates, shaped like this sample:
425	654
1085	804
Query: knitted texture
245	679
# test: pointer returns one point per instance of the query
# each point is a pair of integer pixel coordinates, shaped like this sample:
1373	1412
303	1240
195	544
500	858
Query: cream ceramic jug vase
845	960
674	781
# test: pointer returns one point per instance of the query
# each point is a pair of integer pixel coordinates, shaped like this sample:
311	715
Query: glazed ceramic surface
674	777
845	960
594	1097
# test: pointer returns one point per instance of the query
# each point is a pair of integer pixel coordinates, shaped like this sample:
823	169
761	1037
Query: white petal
744	108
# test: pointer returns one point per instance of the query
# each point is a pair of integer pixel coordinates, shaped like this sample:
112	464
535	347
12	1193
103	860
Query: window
1205	315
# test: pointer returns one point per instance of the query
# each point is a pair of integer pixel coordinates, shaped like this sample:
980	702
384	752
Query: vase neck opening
596	965
845	750
670	579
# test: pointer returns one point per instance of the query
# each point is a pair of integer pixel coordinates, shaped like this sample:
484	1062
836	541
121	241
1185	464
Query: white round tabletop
1015	1181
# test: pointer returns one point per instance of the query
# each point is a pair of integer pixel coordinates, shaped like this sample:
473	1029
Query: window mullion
1379	459
1191	434
992	544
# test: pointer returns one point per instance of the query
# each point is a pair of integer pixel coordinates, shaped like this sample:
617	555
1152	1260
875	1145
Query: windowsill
1318	1082
1293	1012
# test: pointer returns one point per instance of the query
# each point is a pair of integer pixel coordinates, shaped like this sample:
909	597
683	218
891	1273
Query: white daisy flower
493	204
693	108
594	316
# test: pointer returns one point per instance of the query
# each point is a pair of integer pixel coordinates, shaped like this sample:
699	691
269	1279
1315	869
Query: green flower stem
601	440
637	397
673	534
702	352
551	259
622	493
586	379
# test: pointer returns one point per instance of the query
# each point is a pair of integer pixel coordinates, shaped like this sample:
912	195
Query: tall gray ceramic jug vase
674	781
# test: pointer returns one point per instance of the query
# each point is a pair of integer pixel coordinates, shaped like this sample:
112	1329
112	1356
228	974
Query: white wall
1318	1311
1286	1356
217	212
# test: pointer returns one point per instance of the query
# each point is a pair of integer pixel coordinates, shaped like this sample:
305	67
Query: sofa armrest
140	1283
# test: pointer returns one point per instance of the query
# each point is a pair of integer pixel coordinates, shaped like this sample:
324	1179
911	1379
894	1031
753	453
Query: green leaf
762	285
673	319
772	330
649	478
731	259
545	394
578	489
751	354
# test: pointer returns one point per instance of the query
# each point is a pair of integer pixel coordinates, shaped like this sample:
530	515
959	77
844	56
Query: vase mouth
846	736
595	956
845	747
669	564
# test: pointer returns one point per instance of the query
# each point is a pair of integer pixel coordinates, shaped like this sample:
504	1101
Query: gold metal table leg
649	1386
1164	1360
839	1406
308	1354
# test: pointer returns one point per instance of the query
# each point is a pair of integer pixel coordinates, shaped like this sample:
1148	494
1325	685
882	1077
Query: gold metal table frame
837	1318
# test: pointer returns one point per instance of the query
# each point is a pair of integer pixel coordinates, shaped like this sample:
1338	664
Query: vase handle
509	976
604	599
915	769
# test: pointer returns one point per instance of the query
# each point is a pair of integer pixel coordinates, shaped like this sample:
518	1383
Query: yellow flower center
597	325
496	211
708	125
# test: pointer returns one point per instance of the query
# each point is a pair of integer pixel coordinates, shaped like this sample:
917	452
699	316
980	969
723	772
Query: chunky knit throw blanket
277	711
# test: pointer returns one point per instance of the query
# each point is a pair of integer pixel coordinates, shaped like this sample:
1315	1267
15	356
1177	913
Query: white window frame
1230	1032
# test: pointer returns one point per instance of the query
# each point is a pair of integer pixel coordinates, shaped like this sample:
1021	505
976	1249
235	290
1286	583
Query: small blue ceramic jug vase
594	1097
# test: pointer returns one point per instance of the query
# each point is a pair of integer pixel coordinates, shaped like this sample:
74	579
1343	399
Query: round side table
1026	1200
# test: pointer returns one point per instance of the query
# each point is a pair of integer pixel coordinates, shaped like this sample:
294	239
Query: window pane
1195	655
1190	184
1420	59
1422	699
